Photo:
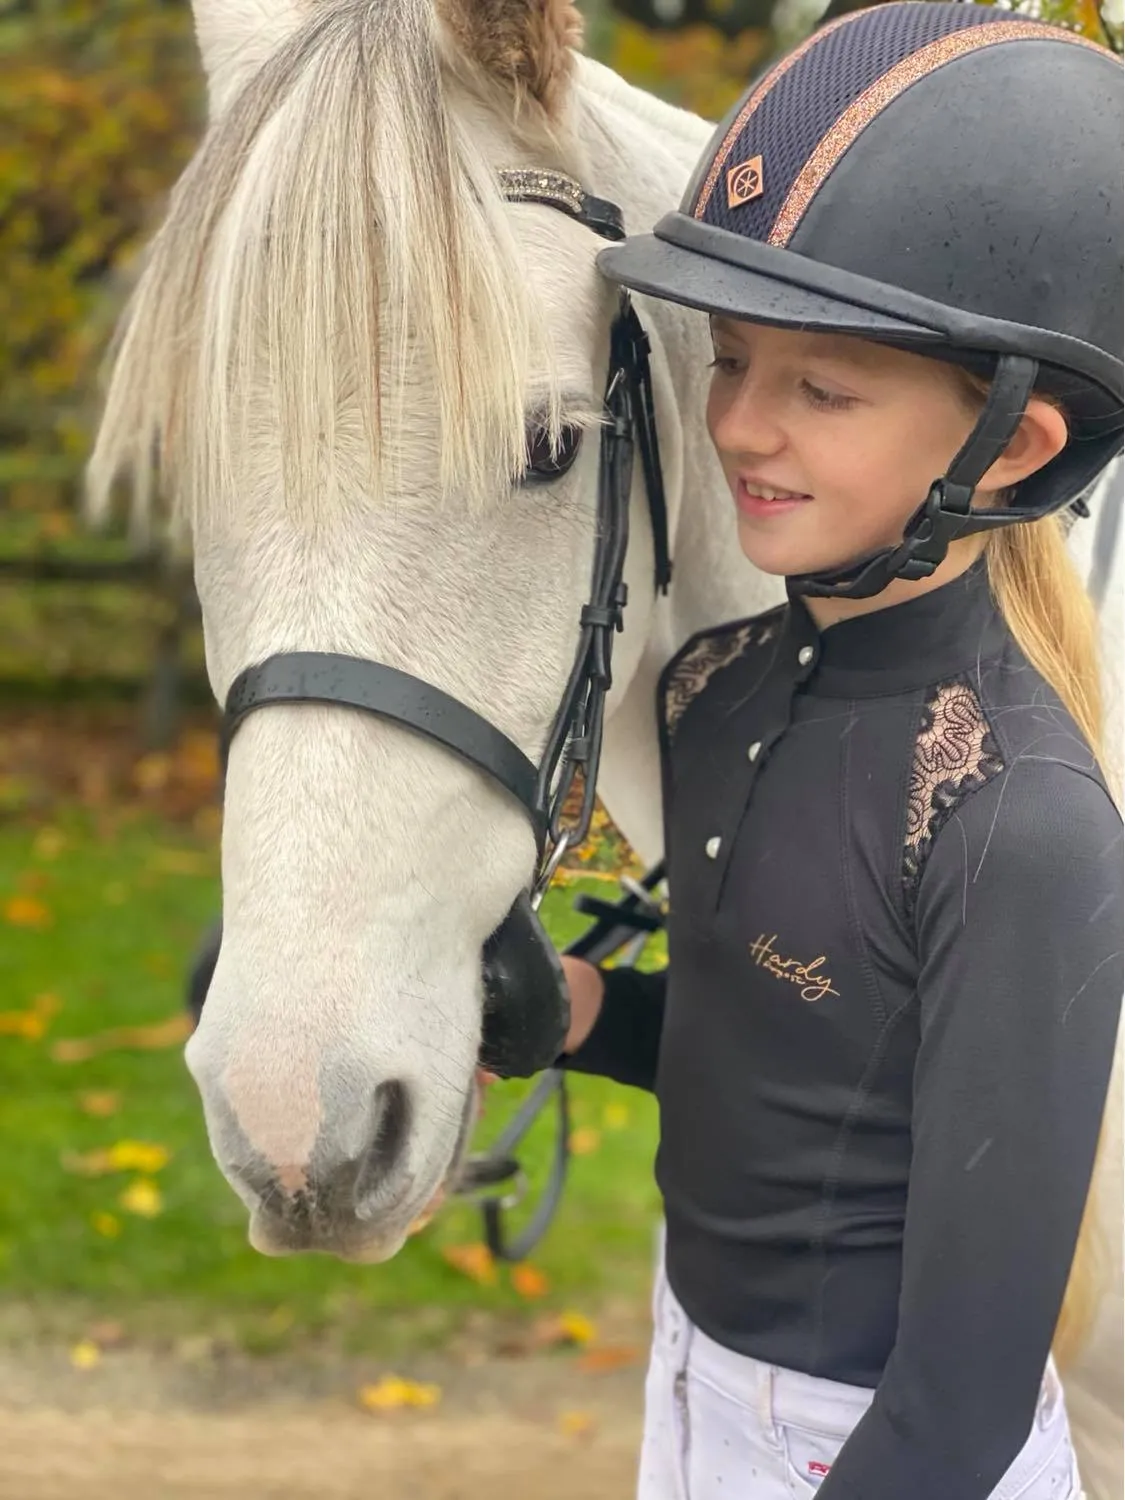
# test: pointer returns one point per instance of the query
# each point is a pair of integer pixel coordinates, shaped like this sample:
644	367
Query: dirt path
144	1427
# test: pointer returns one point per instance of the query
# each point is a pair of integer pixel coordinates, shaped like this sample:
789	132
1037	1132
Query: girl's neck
960	558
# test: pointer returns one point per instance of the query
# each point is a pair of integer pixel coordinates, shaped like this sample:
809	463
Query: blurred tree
101	105
701	53
1084	16
102	101
731	18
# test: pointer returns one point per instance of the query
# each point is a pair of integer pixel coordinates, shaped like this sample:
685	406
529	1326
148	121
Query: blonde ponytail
1045	606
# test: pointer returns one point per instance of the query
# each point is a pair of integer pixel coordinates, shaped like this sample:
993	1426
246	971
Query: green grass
127	901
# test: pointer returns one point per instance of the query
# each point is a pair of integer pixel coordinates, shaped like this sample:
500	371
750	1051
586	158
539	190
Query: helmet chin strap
946	513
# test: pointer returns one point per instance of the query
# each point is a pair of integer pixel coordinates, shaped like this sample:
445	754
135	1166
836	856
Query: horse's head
374	387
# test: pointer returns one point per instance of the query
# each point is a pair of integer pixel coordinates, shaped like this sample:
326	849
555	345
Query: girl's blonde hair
1044	604
1047	609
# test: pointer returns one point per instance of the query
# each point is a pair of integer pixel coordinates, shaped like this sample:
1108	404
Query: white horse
338	346
339	343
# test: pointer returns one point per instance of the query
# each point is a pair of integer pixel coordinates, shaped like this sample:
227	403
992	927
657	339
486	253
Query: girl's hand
587	990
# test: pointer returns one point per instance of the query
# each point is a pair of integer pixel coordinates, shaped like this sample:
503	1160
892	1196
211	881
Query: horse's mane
337	208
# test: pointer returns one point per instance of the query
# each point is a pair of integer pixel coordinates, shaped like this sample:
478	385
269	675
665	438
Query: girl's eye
725	364
545	462
825	400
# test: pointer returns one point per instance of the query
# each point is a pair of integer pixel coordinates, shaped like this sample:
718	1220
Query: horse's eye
545	463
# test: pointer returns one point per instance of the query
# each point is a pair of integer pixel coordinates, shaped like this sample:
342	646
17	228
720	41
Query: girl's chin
785	553
780	555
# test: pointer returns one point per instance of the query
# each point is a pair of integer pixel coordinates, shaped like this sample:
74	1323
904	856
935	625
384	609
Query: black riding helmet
945	178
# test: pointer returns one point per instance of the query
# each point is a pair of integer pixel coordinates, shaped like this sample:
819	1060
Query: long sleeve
1019	926
625	1041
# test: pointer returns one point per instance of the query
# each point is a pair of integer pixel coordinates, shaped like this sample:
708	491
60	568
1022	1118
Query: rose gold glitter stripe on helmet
884	91
755	99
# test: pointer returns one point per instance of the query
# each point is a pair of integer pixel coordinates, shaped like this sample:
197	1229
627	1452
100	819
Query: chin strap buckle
939	520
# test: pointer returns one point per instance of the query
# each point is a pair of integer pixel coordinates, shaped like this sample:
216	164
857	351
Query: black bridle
574	742
526	1011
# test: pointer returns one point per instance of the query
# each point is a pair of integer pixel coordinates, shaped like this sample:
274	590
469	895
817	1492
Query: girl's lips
752	504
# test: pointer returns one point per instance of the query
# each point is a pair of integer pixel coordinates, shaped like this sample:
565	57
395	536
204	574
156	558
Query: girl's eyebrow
857	354
718	324
845	350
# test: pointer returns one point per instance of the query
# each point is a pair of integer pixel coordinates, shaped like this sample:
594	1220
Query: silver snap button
805	655
712	846
755	750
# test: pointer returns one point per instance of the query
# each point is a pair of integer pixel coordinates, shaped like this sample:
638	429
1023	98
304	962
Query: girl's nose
745	423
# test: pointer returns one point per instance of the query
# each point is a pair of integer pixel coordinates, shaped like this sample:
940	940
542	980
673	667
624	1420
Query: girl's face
829	442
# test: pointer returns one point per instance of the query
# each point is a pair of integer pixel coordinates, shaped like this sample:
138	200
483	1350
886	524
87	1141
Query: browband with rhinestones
557	190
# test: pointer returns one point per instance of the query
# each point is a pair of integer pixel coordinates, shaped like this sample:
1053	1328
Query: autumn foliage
102	103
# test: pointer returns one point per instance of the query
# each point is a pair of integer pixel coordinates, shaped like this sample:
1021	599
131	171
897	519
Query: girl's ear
1041	435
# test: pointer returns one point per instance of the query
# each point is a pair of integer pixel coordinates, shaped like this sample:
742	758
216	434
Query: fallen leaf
578	1328
142	1197
107	1334
576	1424
584	1140
85	1355
49	843
169	1033
615	1116
123	1156
107	1225
30	1024
22	1023
566	1328
475	1261
138	1156
26	911
86	1163
101	1103
529	1282
606	1357
392	1393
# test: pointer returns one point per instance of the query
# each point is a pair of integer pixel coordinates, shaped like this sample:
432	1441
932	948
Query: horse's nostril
377	1175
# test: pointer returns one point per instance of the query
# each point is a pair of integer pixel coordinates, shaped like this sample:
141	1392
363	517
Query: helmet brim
658	268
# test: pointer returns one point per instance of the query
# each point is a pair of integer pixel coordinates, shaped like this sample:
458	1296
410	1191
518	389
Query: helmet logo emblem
744	182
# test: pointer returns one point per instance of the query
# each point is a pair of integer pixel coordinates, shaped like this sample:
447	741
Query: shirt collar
938	635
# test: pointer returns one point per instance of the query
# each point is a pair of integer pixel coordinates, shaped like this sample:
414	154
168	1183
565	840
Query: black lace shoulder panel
955	754
689	674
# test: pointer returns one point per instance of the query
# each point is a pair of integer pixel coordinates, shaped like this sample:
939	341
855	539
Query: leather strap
947	512
557	190
351	682
631	352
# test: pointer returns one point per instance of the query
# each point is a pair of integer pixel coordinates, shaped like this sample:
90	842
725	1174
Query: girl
883	1041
